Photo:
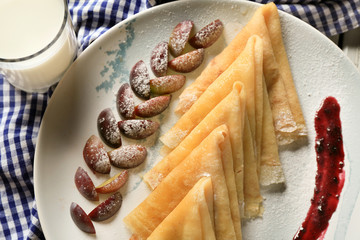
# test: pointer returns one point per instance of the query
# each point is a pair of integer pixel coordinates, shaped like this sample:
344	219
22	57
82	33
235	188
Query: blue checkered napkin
20	116
94	17
330	17
20	113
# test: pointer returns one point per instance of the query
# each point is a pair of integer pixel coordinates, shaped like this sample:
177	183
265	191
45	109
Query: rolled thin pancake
193	218
205	160
227	164
241	69
252	195
285	124
229	111
270	169
259	107
254	99
272	20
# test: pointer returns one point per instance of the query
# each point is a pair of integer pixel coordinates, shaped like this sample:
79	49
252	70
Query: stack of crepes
224	147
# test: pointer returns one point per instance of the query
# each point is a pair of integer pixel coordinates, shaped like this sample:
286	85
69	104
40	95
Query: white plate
319	68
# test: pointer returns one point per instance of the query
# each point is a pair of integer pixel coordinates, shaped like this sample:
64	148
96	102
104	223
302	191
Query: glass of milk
37	43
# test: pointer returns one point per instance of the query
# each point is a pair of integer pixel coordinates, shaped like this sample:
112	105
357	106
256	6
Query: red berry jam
330	174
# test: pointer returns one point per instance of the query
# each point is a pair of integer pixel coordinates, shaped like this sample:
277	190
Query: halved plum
159	59
113	184
125	103
81	219
167	84
179	37
108	128
187	62
106	209
208	35
96	156
85	185
129	156
153	106
139	80
138	128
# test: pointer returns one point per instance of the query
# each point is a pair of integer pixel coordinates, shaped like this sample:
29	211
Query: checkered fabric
330	17
21	113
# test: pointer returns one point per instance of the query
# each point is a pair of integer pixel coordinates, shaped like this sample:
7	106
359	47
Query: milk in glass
37	42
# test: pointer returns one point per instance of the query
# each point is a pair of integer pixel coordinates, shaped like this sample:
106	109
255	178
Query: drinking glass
37	43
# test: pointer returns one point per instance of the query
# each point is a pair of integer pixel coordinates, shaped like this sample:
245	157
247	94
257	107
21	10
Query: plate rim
108	34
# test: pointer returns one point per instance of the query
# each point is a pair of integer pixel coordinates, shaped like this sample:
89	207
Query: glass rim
57	36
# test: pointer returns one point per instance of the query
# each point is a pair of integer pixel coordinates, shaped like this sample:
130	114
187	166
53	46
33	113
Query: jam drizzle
330	175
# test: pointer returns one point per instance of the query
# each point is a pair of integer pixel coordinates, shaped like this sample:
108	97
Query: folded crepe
211	158
193	218
242	69
252	196
272	20
270	170
229	111
278	79
247	69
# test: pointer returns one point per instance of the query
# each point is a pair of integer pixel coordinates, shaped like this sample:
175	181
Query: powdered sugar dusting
207	35
173	138
96	156
138	129
140	80
167	84
125	101
107	208
180	36
108	128
186	100
159	59
99	159
153	106
187	62
121	179
112	134
85	185
128	156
